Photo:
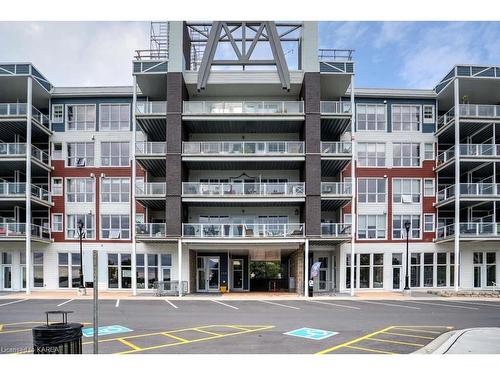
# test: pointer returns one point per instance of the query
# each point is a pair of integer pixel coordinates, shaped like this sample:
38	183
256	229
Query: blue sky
388	54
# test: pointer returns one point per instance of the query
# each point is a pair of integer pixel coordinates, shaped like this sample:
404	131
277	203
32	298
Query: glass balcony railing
470	190
479	110
151	189
446	193
479	150
335	108
336	188
12	149
273	148
336	148
150	148
469	230
18	230
231	230
446	118
243	107
40	117
40	155
18	189
446	156
150	230
151	108
335	230
445	231
292	189
12	109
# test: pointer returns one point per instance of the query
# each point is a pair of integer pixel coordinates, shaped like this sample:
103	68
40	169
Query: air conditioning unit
406	199
80	162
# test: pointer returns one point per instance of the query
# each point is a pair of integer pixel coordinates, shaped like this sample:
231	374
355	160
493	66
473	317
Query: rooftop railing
151	54
335	230
150	230
333	54
336	148
243	107
275	148
335	108
293	189
151	108
151	189
336	188
18	230
231	230
150	148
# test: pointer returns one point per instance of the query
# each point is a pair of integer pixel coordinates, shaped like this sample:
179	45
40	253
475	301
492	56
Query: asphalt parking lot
252	326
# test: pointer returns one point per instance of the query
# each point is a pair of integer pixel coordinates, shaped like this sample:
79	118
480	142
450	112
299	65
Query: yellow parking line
207	332
349	343
369	350
407	335
417	330
16	331
396	342
174	337
1	327
129	344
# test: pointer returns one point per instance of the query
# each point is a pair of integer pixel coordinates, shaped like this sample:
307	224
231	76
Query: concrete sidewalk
485	340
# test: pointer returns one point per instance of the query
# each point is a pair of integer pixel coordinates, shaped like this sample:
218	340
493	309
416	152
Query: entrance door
397	264
237	274
323	274
208	274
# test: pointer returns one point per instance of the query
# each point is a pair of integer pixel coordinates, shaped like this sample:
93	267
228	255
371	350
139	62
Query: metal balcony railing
151	54
335	230
446	193
335	108
150	148
151	189
40	155
478	189
479	150
334	54
446	156
18	230
469	230
479	110
292	189
232	230
40	117
243	107
445	231
273	148
151	108
12	149
336	148
18	189
445	119
20	109
336	188
150	230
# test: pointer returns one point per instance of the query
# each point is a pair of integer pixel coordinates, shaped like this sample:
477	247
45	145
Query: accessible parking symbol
311	333
106	330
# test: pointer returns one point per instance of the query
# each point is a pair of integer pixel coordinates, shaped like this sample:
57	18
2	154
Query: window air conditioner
406	198
80	162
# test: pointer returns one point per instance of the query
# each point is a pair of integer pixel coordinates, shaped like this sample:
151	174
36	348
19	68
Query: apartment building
241	155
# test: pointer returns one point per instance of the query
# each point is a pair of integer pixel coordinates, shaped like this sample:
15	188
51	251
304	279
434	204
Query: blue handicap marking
106	330
311	333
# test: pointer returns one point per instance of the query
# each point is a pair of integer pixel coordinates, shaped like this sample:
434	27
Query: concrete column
179	264
353	182
132	189
306	268
309	47
457	182
29	107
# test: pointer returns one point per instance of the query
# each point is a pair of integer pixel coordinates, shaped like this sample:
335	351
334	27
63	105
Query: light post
81	233
407	274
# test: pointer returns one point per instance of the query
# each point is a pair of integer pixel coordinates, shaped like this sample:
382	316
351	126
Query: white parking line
225	304
171	304
391	304
480	304
444	305
10	303
117	303
279	304
65	302
334	304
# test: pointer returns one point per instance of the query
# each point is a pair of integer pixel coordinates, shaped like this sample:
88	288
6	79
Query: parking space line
444	305
207	332
390	304
279	304
417	330
129	344
480	304
12	302
396	342
369	350
171	304
349	343
117	303
65	302
335	304
225	304
407	335
174	337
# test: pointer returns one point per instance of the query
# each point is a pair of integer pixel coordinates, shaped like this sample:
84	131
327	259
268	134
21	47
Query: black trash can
58	338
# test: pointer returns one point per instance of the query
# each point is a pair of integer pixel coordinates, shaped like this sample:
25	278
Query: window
371	154
58	113
152	270
428	114
114	117
397	266
371	190
415	262
405	118
63	270
72	226
428	270
428	222
80	190
348	271
80	154
115	227
69	269
139	271
441	269
115	154
80	117
406	154
371	227
115	189
57	151
428	151
378	270
398	226
57	186
371	117
57	222
38	270
113	271
429	187
406	190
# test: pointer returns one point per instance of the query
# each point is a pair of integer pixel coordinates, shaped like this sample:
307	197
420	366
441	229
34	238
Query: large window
115	189
72	226
371	154
81	154
80	190
114	117
405	118
115	227
371	117
69	270
406	190
398	226
406	154
371	226
115	154
431	270
371	190
80	117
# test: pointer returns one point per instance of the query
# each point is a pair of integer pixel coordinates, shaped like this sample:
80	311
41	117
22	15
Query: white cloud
392	32
342	35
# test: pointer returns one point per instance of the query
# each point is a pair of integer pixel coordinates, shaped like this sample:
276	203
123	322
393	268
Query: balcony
335	108
336	230
151	108
336	189
243	108
151	118
13	151
16	111
17	191
150	231
152	157
470	231
470	192
336	149
470	153
17	232
250	148
242	231
474	112
151	194
147	149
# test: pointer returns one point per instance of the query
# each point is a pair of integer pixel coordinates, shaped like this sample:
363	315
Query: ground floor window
153	268
484	269
397	265
431	270
38	270
369	267
6	275
69	270
120	271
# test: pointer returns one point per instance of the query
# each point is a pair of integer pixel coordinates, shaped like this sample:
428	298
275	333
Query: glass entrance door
397	265
237	274
208	274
